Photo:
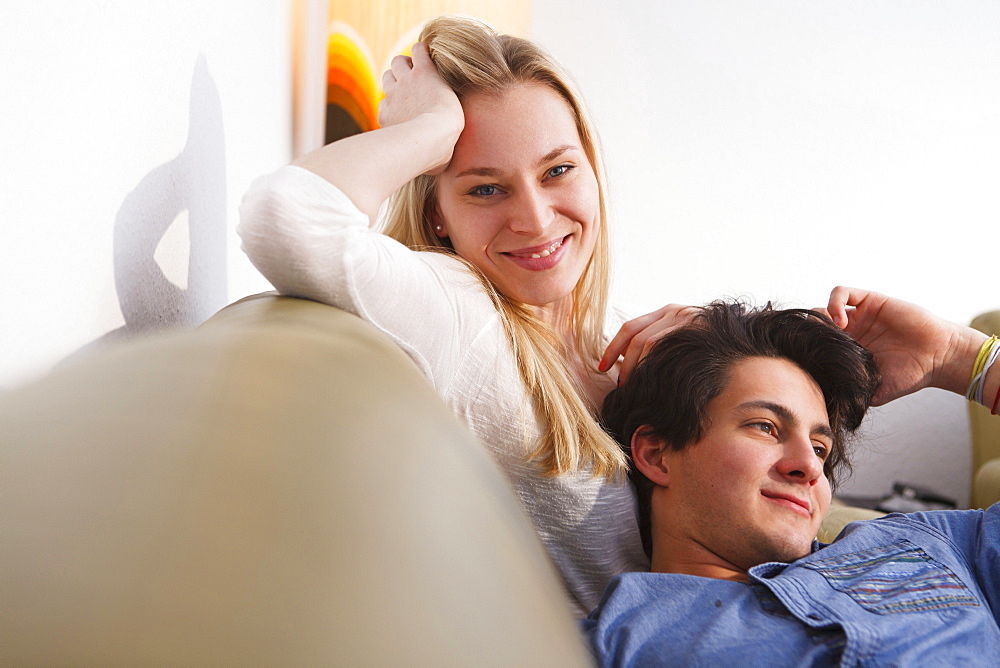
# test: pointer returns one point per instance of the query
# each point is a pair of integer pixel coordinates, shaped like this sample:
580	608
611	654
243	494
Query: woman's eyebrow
556	152
493	172
479	171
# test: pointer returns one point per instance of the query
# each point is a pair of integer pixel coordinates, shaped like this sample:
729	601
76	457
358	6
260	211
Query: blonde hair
473	58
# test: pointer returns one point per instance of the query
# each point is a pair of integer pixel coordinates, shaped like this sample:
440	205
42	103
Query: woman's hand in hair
421	121
637	336
913	348
415	91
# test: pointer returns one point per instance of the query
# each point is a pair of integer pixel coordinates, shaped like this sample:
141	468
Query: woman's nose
532	213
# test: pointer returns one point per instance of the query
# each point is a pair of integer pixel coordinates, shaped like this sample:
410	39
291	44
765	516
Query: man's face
752	489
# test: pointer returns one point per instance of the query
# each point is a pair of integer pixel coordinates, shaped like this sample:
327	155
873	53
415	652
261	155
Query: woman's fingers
621	341
400	65
638	336
420	55
413	87
388	81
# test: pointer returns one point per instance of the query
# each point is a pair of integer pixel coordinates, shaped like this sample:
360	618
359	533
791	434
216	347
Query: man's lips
791	501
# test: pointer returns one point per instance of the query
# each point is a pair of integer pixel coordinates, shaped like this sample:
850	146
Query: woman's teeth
548	251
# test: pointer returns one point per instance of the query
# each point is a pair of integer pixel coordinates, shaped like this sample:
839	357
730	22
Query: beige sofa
279	486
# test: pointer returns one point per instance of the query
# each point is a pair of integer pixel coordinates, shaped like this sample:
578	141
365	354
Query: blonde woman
491	274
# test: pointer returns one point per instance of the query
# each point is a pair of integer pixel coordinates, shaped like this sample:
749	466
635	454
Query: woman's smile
541	257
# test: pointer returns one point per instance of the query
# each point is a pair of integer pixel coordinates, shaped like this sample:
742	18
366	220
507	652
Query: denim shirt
911	590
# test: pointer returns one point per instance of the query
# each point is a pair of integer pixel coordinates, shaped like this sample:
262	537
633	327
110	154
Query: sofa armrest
840	515
986	485
278	486
985	432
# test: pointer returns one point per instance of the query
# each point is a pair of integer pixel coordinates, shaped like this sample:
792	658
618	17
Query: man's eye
765	427
483	191
821	451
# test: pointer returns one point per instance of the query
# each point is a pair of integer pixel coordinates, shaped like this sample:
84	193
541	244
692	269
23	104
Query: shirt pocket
895	578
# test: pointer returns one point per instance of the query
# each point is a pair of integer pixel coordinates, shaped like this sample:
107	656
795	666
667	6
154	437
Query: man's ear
650	457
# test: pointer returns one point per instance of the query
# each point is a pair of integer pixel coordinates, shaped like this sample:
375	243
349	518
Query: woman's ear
438	222
650	457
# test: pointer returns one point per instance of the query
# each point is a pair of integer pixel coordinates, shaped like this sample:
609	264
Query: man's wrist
959	360
982	378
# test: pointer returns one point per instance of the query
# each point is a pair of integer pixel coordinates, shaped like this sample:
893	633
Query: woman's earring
437	228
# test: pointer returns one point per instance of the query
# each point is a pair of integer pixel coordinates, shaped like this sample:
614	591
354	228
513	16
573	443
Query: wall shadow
195	182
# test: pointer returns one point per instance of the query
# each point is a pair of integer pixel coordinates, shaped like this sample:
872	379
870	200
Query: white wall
128	132
776	148
770	149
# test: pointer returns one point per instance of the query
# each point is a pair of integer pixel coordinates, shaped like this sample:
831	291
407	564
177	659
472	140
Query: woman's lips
541	257
537	252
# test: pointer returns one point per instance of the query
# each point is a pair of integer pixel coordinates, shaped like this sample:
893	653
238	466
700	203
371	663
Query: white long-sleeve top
309	240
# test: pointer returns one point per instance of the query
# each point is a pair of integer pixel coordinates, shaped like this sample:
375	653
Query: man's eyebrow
493	172
786	415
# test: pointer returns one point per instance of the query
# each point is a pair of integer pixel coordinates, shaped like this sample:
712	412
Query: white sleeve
309	240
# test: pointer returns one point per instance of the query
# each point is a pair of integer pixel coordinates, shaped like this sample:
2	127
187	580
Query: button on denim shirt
909	590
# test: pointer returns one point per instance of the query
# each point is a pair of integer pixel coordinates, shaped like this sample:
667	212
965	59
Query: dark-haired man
736	425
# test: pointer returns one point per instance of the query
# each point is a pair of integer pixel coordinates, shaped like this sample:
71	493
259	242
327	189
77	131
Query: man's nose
533	212
799	461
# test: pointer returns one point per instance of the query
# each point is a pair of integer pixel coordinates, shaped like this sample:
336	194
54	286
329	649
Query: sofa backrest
279	486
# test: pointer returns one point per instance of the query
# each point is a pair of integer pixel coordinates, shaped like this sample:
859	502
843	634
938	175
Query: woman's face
520	198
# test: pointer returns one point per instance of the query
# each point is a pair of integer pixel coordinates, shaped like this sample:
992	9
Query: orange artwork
363	37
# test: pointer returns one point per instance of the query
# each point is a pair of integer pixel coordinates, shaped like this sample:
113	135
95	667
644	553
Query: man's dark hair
669	390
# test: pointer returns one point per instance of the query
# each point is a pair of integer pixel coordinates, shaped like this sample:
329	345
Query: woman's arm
421	120
913	348
306	227
309	240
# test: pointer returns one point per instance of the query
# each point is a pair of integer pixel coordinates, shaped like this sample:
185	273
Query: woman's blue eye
484	191
560	170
